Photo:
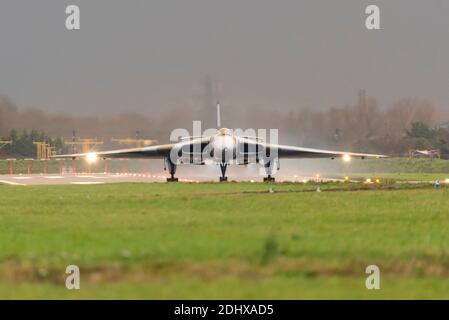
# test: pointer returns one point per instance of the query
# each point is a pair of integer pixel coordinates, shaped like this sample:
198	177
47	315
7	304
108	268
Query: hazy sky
148	55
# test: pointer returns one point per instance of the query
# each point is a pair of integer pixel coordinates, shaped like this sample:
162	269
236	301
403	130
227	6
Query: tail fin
218	115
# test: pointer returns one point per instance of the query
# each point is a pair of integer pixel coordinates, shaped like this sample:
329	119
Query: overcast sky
148	55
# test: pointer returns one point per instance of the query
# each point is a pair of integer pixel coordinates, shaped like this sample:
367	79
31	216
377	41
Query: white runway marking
59	179
87	182
12	183
95	177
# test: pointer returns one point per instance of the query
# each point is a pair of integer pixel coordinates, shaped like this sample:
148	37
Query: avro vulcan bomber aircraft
222	148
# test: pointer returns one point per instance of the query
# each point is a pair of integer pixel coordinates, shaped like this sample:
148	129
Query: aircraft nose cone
223	150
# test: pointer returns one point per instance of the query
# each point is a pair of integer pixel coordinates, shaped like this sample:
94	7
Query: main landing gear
171	169
269	168
223	167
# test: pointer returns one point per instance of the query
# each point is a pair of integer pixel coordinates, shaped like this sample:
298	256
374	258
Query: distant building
444	125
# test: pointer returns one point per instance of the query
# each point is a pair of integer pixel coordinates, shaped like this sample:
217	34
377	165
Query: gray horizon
154	56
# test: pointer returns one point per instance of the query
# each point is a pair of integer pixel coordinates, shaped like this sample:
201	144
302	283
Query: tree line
364	126
23	146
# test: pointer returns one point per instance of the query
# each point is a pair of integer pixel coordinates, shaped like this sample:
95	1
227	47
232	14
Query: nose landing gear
223	167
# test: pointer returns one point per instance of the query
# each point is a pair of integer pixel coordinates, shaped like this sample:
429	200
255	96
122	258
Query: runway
77	179
102	178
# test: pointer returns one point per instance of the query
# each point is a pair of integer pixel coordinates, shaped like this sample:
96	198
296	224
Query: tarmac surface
101	178
94	178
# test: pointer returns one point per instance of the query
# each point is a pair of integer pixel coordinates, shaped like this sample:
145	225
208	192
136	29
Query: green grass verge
324	166
233	240
391	177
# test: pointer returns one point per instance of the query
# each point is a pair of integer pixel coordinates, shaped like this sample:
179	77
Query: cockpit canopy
224	132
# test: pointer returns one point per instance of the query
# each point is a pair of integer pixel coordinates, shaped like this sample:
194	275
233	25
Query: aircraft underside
270	166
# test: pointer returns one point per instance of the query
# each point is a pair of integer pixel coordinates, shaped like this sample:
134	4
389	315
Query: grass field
386	177
390	166
233	240
21	166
